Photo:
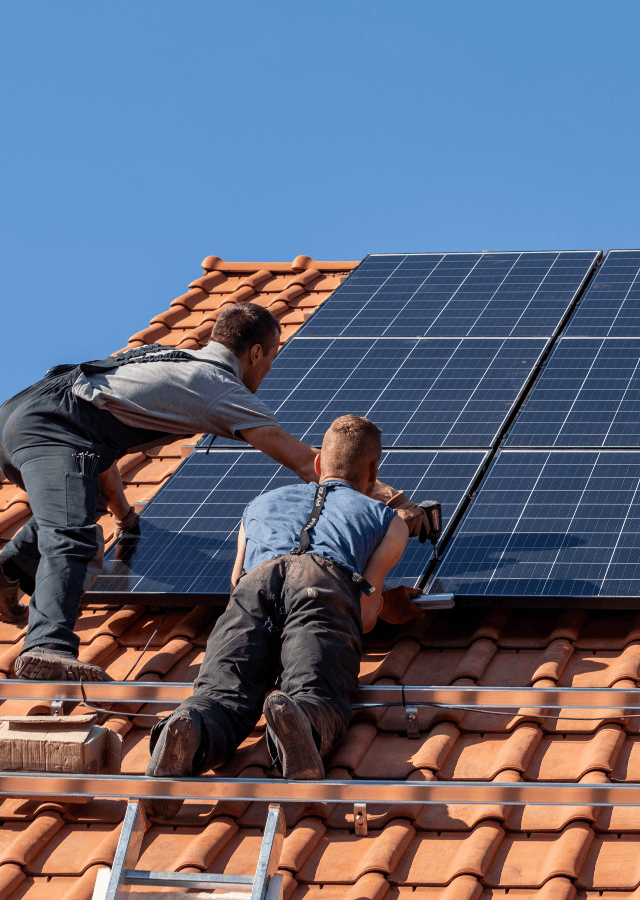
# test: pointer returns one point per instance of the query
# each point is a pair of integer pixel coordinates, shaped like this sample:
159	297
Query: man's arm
284	448
239	563
125	515
388	552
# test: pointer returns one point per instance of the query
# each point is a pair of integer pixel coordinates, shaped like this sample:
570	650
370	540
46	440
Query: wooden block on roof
65	744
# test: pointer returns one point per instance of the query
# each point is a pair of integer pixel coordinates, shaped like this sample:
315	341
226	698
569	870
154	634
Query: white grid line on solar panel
587	396
425	392
550	523
611	305
188	532
499	295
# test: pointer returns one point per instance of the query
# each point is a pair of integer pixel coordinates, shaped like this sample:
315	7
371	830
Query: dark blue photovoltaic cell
550	523
611	305
455	295
430	392
188	532
587	396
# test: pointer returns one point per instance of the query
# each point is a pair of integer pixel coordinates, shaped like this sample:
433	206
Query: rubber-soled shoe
11	610
40	664
173	756
291	731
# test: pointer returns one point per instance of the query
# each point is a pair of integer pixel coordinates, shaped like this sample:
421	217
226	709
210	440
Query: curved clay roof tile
301	263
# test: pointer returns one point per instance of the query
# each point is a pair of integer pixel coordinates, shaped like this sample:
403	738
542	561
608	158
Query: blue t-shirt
348	531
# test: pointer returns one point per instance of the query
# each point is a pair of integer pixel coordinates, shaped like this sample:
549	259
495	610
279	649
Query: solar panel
429	392
455	295
587	396
611	305
188	532
552	524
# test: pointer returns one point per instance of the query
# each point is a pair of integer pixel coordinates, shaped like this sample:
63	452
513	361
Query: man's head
351	451
253	335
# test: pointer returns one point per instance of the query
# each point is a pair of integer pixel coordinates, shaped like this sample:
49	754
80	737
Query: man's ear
373	475
316	465
256	353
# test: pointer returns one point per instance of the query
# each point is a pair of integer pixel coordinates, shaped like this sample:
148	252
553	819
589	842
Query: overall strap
312	521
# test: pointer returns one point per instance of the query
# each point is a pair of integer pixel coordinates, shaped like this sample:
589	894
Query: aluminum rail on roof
65	787
366	695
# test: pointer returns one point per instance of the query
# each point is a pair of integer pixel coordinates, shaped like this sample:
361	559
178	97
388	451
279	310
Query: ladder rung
188	880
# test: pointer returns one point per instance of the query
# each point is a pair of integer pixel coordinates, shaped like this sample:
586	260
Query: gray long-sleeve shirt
180	397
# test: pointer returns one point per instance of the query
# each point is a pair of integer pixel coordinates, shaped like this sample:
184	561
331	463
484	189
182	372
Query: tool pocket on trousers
81	499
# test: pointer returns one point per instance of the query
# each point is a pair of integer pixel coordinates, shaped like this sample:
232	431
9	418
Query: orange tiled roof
420	852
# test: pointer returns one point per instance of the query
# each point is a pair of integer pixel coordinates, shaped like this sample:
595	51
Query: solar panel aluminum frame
579	293
601	601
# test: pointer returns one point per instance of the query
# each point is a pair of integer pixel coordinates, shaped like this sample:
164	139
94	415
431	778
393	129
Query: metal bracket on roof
360	819
57	707
266	884
413	731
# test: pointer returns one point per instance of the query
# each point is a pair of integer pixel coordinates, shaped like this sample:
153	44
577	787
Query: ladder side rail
127	851
270	851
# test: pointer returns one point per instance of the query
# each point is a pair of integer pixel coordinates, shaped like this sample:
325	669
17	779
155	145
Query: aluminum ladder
266	884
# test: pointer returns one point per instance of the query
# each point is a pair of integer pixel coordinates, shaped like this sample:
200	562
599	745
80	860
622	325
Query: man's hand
414	516
130	522
397	607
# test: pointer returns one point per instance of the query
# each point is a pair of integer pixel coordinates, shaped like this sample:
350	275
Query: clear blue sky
141	135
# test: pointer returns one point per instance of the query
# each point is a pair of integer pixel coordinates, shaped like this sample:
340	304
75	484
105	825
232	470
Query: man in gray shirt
60	440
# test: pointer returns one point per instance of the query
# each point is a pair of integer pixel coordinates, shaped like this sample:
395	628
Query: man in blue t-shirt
307	581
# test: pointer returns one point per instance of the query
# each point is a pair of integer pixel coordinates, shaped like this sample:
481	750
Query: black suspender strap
312	521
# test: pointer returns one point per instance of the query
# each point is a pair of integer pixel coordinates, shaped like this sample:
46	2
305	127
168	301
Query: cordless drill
434	514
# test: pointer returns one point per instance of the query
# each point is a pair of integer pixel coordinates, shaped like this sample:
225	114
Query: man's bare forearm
285	449
113	490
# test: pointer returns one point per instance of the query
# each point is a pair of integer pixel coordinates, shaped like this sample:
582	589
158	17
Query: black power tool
434	515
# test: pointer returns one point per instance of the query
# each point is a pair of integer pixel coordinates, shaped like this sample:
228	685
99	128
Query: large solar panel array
436	348
550	524
565	523
188	533
455	295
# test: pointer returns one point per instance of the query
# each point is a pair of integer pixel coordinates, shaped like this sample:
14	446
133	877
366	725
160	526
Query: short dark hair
242	325
350	445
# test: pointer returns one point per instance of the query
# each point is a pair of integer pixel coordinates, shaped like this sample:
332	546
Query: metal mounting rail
66	788
167	693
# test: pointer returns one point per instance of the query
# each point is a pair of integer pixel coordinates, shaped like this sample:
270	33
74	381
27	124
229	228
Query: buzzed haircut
350	445
242	325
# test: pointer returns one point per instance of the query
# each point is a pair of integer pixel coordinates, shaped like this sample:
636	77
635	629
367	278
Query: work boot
11	610
290	730
173	756
42	664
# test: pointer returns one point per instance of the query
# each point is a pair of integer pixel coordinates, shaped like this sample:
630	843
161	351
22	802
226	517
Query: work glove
415	517
397	606
129	523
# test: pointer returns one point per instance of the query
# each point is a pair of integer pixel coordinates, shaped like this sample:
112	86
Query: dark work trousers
295	619
58	553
